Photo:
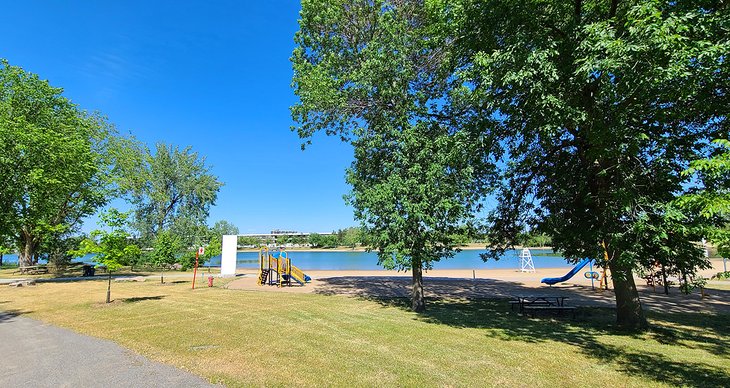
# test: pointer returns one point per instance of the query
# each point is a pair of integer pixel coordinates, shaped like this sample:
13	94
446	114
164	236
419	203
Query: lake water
467	259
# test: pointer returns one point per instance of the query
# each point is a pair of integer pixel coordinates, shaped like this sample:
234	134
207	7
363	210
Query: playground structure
275	268
526	263
590	274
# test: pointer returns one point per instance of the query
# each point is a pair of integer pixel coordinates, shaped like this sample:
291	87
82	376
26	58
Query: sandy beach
492	283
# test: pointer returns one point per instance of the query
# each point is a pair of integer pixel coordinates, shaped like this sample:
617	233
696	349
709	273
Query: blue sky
214	75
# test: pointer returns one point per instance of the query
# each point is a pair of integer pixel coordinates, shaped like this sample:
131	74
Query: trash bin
89	270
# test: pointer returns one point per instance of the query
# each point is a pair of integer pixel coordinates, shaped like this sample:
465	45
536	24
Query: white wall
228	255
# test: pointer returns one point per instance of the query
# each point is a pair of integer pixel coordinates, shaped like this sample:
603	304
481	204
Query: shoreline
501	274
530	279
470	247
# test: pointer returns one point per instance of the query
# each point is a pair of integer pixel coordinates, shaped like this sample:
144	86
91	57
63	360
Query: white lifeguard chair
526	264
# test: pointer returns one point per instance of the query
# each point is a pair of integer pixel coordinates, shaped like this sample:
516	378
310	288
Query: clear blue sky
212	74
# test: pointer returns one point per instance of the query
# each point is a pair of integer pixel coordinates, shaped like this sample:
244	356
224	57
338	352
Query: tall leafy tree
171	189
603	104
599	106
56	165
376	73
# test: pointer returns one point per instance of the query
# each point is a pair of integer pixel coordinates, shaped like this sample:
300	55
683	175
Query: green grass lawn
269	338
718	285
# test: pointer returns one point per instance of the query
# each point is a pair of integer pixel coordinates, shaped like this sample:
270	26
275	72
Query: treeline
353	237
62	164
348	237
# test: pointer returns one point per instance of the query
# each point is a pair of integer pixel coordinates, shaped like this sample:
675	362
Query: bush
687	287
9	265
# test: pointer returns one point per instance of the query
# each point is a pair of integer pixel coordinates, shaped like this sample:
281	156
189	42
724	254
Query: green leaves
55	167
172	189
111	246
414	188
166	249
712	203
379	75
591	109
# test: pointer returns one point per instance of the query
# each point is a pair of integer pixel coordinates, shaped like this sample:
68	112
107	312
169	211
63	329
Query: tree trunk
1	259
25	256
109	287
629	313
418	302
664	280
162	276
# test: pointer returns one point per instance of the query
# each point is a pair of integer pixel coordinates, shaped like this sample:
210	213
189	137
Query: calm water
470	259
543	258
13	258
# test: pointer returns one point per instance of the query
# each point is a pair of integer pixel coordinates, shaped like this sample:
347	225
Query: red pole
195	271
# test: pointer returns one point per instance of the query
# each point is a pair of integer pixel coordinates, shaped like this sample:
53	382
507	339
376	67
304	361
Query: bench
532	310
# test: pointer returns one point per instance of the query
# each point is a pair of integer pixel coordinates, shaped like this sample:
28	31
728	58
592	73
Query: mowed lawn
272	338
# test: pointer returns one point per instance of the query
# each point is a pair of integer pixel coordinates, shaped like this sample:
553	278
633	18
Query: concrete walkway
201	277
35	354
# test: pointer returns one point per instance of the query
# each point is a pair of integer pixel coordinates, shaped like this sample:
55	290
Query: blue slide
307	279
568	275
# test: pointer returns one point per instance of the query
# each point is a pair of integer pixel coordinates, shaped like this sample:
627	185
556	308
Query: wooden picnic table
534	303
538	300
32	269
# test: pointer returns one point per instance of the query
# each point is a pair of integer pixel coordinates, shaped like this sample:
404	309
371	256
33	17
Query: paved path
35	354
201	277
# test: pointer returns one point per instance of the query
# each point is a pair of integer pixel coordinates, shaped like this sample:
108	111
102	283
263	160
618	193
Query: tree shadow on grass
688	330
695	331
438	287
661	368
141	298
483	304
8	315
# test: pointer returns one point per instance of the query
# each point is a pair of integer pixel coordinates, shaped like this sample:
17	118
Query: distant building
286	232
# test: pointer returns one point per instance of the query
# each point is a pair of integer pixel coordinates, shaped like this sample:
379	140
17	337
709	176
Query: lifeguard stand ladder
526	264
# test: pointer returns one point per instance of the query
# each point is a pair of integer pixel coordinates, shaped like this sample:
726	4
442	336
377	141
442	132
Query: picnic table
32	269
533	303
